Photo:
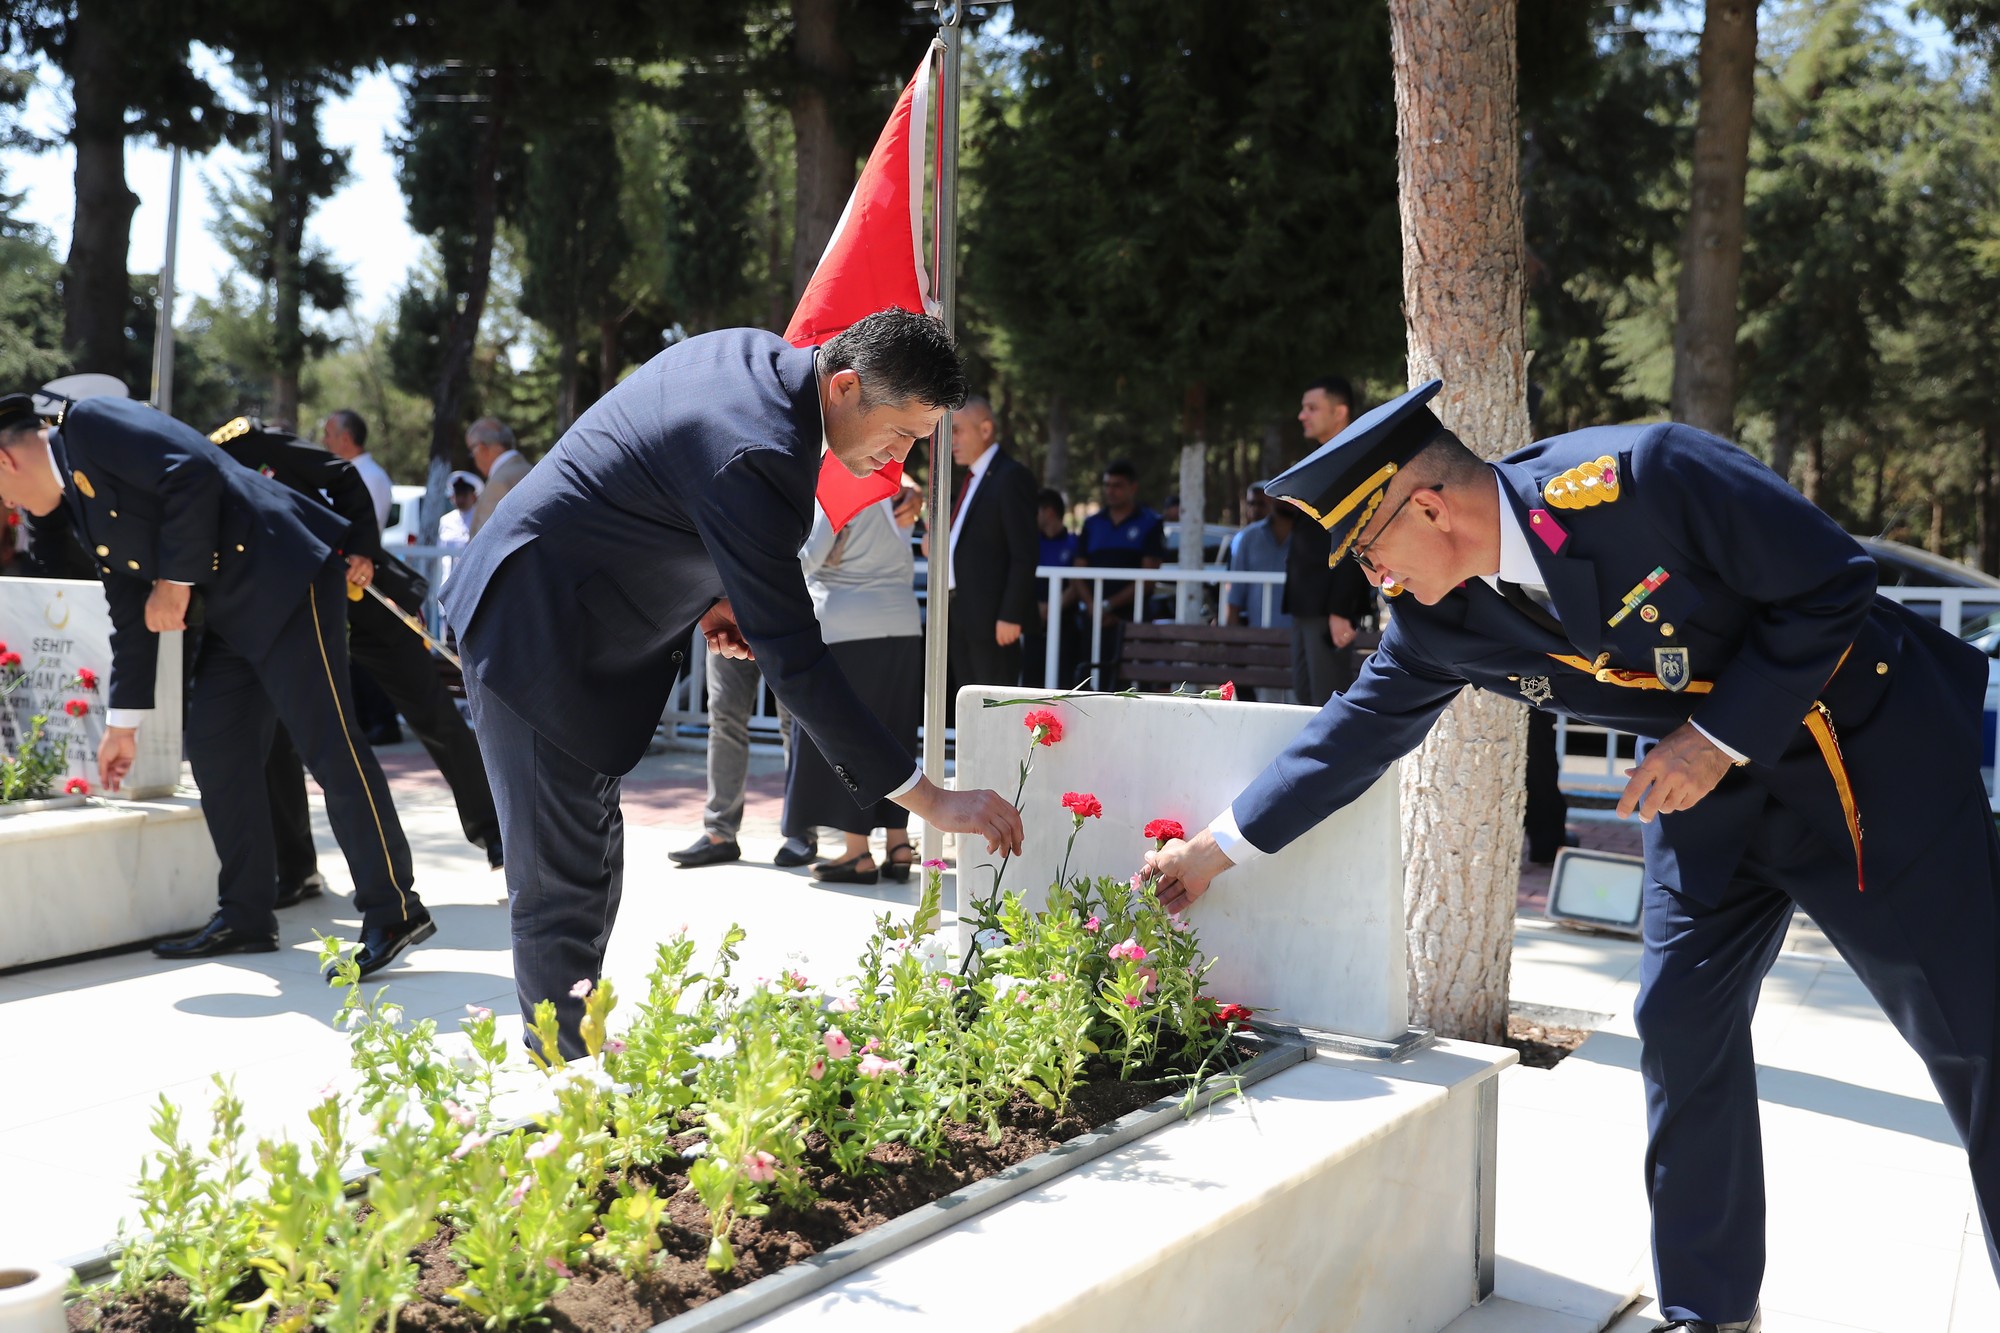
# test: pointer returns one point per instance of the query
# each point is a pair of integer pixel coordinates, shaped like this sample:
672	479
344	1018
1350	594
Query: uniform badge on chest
1671	666
1535	690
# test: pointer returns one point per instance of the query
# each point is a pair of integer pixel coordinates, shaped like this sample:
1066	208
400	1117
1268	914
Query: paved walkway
1871	1226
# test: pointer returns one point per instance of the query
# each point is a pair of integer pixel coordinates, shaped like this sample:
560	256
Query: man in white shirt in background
345	435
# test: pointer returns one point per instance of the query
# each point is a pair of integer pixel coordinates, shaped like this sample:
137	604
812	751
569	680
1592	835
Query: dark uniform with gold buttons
1687	582
153	499
378	643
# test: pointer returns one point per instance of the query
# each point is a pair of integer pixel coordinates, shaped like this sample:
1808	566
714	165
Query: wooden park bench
1161	657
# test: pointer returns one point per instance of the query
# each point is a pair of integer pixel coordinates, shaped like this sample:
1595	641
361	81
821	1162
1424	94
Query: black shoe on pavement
706	853
312	886
216	938
1754	1324
382	943
796	852
848	871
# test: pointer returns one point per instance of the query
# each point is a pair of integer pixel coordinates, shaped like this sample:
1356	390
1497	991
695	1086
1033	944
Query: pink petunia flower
874	1066
581	990
1131	949
478	1011
761	1167
817	1070
838	1046
1131	1002
469	1143
521	1188
562	1269
460	1116
546	1146
1093	925
936	865
613	1046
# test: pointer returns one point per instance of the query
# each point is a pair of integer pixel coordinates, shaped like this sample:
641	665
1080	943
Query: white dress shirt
977	471
380	490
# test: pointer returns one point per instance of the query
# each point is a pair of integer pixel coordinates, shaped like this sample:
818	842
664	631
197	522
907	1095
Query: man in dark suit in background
1327	599
993	544
166	512
380	644
679	500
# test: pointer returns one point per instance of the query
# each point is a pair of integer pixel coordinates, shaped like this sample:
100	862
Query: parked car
1900	566
405	508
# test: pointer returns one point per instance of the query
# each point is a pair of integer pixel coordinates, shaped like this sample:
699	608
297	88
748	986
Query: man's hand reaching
719	631
1182	871
985	813
1676	773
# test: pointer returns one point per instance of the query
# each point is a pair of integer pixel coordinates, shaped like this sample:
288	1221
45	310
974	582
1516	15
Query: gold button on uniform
104	550
1666	631
131	564
1603	661
1881	668
83	484
239	546
114	513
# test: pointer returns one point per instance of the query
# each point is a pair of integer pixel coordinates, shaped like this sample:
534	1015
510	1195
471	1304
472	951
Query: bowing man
680	499
1660	581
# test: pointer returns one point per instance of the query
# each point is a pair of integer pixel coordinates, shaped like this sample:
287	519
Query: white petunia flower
719	1049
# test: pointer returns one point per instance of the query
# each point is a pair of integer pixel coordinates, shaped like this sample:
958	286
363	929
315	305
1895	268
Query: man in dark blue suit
680	499
1661	581
166	514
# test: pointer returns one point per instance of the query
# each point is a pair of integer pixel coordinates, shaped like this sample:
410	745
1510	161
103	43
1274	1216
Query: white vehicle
405	506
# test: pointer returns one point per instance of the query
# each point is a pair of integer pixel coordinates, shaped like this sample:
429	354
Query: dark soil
600	1300
1542	1045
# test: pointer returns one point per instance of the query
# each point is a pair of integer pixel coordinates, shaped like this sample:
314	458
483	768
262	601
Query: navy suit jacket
1765	593
691	481
152	498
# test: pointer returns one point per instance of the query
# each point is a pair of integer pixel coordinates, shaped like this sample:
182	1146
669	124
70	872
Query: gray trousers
1319	670
732	697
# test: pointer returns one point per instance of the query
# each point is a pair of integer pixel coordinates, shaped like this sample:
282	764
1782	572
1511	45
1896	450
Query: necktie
1518	598
964	485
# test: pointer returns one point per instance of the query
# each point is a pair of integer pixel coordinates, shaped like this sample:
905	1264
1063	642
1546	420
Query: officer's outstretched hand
115	754
166	606
1676	773
719	631
360	570
985	813
1182	871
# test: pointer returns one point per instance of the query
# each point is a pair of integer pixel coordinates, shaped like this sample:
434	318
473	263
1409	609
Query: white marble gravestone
1313	934
57	626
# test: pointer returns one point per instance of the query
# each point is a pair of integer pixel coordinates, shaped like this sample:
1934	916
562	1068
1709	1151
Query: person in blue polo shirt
1124	534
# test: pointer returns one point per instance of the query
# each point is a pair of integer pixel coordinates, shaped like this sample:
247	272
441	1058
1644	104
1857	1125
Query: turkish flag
874	260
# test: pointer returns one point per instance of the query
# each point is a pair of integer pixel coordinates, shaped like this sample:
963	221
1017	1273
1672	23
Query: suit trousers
975	658
565	859
732	698
1924	946
1319	670
385	649
234	708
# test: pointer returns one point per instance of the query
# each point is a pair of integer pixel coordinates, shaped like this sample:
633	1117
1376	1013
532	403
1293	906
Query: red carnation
76	787
1045	725
1228	690
77	707
1083	805
1230	1013
1161	830
9	659
86	679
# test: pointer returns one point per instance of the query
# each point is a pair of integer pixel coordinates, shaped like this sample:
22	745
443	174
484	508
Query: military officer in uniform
1811	745
167	513
681	498
377	641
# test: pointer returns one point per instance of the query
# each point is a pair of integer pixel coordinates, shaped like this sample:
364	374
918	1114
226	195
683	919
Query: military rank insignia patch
229	430
1535	689
1671	666
83	484
1593	483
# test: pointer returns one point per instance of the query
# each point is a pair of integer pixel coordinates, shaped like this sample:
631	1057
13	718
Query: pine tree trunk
569	348
1784	441
1055	470
448	397
821	152
1459	191
287	338
1704	389
96	288
1815	478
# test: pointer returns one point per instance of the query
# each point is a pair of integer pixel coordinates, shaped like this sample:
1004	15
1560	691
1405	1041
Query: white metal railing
1184	582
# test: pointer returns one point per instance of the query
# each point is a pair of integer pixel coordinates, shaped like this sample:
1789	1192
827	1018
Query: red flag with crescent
874	260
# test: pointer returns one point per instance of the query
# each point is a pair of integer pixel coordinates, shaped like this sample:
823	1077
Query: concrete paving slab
1497	1314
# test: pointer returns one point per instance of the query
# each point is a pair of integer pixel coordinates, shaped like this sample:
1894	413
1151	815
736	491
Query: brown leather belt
1818	722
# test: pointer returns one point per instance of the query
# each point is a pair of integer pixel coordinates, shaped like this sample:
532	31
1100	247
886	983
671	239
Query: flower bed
729	1130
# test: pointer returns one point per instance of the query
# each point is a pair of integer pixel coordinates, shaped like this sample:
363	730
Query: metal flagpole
163	337
938	583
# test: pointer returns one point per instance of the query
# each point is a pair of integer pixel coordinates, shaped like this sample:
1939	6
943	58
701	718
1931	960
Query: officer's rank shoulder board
1592	483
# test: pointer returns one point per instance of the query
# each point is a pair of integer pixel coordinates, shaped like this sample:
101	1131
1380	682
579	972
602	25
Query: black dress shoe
1754	1324
217	937
706	853
846	872
796	852
312	886
495	859
381	943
